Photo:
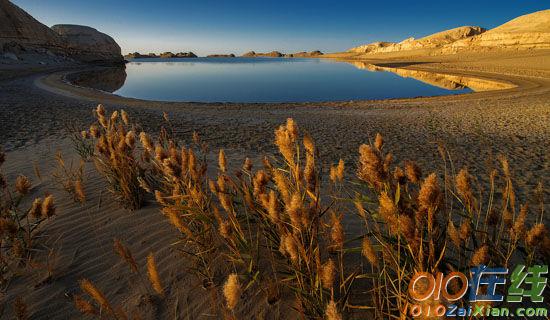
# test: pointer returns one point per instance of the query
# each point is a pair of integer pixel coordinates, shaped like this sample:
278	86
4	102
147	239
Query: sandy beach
35	108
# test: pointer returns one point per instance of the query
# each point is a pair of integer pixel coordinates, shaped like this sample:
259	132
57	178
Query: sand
34	109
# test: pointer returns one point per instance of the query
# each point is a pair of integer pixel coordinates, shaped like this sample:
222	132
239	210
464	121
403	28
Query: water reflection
105	79
444	81
272	80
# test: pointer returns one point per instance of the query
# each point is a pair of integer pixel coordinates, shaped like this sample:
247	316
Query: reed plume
36	208
22	185
454	234
153	274
125	117
79	191
378	142
413	172
369	252
222	162
428	196
48	207
232	291
535	236
480	256
332	312
328	271
96	294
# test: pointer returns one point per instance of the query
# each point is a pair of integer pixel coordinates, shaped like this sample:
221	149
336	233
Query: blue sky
208	26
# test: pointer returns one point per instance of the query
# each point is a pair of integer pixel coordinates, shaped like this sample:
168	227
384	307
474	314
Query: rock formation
436	40
530	31
221	56
137	55
249	54
20	33
89	45
277	54
272	54
304	54
168	54
186	55
23	36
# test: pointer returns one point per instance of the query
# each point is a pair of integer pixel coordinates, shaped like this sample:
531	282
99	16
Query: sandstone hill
530	31
23	38
18	29
87	44
432	41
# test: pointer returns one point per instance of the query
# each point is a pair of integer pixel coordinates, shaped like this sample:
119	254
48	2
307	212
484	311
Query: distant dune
531	31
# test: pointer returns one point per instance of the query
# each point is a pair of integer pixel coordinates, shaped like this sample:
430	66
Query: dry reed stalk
125	254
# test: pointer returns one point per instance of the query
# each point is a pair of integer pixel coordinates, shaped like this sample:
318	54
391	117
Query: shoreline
475	126
57	83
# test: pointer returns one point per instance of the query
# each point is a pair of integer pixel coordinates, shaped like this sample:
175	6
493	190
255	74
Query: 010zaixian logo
438	295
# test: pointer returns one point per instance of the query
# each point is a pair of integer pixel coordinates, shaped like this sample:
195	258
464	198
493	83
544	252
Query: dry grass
276	231
70	178
18	226
81	141
116	158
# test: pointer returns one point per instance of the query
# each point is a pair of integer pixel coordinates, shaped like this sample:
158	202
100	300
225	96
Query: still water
270	80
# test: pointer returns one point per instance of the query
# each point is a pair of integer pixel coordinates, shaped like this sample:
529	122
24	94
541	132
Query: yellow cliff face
530	31
441	80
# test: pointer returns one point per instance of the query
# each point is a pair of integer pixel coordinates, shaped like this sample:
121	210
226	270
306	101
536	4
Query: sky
209	26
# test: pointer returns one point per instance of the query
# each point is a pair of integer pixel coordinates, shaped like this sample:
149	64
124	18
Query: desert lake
268	80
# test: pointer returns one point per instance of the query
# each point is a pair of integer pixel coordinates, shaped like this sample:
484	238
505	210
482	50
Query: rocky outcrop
186	55
178	55
249	54
137	55
531	31
89	45
304	54
23	36
277	54
436	40
371	47
167	55
18	27
221	56
272	54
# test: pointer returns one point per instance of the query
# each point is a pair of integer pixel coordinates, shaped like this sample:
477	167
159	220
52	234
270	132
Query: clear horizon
224	27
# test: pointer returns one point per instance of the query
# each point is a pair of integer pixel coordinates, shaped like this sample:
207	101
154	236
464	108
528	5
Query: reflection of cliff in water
445	81
105	79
